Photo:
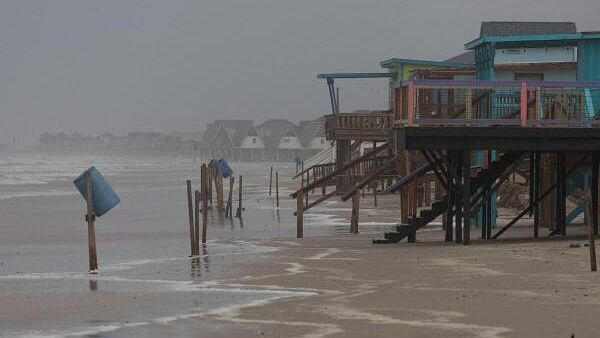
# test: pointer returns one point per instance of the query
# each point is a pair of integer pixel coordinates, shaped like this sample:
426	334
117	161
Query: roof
308	130
237	130
467	57
353	75
507	28
398	62
271	131
538	39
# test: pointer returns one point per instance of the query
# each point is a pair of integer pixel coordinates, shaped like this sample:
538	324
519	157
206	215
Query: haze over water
143	245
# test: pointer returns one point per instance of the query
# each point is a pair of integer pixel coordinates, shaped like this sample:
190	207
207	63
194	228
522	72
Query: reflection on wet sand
93	285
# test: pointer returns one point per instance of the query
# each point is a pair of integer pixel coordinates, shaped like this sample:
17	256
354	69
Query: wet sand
511	288
248	284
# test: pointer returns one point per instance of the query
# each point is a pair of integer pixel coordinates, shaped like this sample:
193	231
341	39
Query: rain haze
173	168
96	66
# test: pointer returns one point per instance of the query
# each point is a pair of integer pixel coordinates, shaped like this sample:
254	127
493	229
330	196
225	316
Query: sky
174	65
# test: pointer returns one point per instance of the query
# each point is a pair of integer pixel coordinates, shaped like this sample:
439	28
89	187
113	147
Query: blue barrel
105	198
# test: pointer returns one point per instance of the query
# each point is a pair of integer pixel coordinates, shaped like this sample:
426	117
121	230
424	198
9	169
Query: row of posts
208	175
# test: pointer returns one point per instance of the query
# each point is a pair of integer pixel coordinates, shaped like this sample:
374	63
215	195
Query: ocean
146	279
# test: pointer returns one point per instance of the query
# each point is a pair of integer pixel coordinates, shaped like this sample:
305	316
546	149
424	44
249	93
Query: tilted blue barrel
105	198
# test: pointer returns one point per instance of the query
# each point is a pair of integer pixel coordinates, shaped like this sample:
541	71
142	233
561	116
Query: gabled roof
271	131
236	129
507	28
308	130
467	57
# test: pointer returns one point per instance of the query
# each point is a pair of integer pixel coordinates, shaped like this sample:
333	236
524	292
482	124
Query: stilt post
191	216
271	181
300	212
91	218
467	197
355	212
277	188
238	213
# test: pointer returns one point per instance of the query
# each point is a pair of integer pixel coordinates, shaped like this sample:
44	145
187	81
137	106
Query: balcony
364	126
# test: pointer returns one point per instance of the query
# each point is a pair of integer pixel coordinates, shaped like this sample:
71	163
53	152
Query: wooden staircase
493	172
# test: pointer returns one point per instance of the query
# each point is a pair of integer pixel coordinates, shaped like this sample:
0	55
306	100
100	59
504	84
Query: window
529	76
254	140
322	141
286	140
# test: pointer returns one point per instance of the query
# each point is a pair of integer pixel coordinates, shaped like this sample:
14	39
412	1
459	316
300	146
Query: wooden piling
191	216
466	197
375	194
238	213
271	181
218	179
206	184
355	213
592	245
91	218
229	207
277	188
307	183
197	197
300	212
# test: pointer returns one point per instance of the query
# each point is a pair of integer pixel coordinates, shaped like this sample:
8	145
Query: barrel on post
100	198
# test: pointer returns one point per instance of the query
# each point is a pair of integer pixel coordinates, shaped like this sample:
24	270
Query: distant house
282	142
312	134
252	147
235	140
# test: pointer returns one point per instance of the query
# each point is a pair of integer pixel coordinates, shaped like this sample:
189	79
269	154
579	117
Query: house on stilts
523	98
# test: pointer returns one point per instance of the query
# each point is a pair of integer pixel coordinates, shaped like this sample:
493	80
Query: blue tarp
222	166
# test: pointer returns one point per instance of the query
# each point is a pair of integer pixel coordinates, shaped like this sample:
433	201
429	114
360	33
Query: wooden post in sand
191	216
229	207
592	244
238	213
205	184
218	178
197	197
300	211
591	235
277	188
91	218
209	174
355	211
271	181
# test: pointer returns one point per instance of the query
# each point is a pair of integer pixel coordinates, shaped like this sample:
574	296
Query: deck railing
485	103
369	126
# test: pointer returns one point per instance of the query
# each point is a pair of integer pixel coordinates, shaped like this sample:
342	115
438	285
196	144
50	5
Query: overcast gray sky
166	65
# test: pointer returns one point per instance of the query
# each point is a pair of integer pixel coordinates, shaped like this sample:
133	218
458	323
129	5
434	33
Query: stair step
394	236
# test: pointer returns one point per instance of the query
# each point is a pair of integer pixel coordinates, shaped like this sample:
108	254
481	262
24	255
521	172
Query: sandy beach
254	279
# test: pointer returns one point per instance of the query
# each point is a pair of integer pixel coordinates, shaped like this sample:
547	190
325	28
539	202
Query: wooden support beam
458	228
536	192
594	191
300	213
542	196
355	213
466	171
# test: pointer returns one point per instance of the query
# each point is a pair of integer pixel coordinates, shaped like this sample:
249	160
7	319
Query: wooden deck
368	126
